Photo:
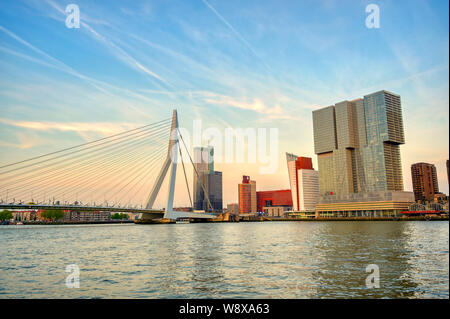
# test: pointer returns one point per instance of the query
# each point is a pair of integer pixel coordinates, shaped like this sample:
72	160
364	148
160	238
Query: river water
227	260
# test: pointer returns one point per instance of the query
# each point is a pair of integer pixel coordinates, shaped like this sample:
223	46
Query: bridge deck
171	215
80	208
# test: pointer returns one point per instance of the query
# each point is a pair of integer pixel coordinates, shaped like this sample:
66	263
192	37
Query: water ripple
236	260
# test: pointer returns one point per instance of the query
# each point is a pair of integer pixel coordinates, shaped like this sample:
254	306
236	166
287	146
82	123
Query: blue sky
228	63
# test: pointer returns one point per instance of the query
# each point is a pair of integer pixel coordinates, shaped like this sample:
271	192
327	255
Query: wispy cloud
25	141
54	63
237	34
119	52
98	127
255	104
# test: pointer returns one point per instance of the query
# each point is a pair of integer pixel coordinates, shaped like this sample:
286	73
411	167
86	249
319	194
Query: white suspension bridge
112	174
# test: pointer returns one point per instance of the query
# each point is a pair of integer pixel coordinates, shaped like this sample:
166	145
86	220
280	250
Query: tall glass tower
358	145
208	180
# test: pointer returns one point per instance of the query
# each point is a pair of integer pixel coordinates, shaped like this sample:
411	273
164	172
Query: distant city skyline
259	66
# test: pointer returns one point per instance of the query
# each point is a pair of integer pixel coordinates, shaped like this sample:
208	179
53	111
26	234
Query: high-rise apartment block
358	145
208	183
247	196
424	180
304	181
358	151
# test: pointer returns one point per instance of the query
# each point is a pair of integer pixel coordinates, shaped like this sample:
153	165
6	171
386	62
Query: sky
238	64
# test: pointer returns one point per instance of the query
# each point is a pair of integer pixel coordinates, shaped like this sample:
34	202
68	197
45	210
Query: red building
274	198
304	163
247	196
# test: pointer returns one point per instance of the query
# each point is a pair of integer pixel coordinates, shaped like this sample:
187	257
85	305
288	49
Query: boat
182	220
19	223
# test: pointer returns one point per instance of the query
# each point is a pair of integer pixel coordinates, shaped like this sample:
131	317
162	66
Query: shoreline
359	219
329	219
71	223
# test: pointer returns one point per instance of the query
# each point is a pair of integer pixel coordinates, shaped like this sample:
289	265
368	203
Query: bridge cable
154	162
39	174
69	174
95	179
185	176
73	147
143	176
196	172
63	155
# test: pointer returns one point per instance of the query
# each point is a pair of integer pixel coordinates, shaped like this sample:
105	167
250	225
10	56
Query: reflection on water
227	260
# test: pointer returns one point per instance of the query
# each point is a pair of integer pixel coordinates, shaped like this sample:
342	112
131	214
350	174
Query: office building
358	145
304	182
207	181
358	151
275	198
247	196
424	180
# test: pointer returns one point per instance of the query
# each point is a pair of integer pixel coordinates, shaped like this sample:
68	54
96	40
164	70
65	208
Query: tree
119	216
5	215
53	214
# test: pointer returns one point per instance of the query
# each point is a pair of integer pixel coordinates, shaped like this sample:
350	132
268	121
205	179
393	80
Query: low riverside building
89	216
371	204
301	214
182	209
233	208
26	215
274	211
274	198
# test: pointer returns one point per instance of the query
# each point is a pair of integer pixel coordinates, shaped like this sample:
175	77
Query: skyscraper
208	180
304	181
448	172
247	196
424	180
358	151
357	145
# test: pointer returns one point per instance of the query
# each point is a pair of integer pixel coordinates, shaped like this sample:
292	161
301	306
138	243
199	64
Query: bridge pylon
169	162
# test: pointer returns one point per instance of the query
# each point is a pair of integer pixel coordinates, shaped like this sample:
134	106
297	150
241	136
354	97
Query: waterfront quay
32	217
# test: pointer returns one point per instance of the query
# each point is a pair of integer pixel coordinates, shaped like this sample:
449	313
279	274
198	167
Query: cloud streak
79	127
119	52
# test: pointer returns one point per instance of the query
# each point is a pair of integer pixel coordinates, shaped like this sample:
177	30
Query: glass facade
379	204
324	130
384	127
212	183
208	178
326	173
357	143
